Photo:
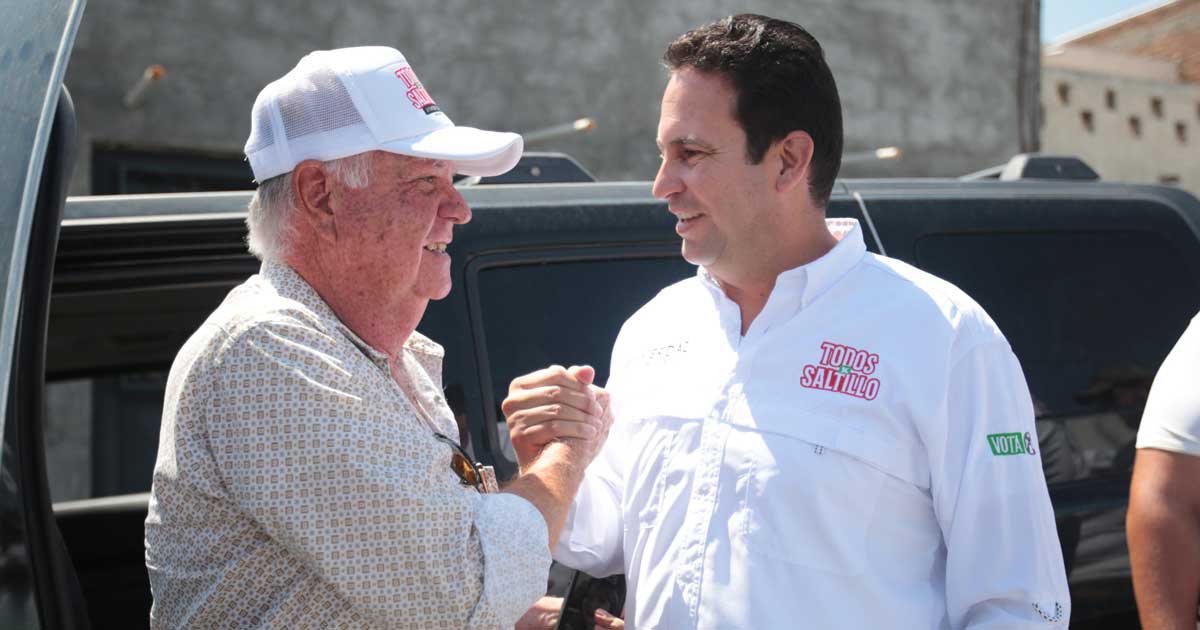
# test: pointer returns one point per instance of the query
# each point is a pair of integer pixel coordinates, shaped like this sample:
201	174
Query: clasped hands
557	404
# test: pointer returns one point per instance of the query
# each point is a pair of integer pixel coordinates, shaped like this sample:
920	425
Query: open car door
38	588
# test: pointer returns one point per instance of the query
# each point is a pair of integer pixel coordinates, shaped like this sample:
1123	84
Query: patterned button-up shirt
298	483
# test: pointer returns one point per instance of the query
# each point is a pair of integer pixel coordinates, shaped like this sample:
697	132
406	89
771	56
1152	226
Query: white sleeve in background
1004	565
1171	420
592	539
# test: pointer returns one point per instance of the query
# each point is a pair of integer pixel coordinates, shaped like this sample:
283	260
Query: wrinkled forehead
412	164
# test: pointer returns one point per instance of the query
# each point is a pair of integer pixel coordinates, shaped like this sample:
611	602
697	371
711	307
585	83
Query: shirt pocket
810	490
655	445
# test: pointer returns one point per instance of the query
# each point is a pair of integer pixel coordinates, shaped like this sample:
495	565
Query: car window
1090	315
567	313
102	428
102	433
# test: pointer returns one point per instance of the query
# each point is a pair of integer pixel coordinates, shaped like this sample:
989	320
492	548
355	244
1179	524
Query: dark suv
1091	282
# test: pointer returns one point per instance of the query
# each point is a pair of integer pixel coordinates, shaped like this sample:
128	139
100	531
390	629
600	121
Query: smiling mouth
684	218
437	248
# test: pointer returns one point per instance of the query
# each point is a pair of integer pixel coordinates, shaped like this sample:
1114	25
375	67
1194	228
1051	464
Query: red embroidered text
844	370
417	95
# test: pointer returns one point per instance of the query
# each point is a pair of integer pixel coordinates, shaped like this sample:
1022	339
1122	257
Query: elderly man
304	477
807	434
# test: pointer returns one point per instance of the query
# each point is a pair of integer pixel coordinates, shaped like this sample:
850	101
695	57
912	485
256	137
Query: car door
1092	284
38	587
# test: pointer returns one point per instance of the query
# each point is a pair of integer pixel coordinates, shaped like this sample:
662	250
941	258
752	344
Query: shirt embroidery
844	370
1011	444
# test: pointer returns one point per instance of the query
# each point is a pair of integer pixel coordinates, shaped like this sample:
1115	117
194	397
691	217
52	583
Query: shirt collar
815	278
827	270
290	285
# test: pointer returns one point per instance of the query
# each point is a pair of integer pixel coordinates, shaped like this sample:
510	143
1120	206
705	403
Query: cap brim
473	151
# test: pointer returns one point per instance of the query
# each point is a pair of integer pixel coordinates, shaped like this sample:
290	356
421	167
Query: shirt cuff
516	554
590	540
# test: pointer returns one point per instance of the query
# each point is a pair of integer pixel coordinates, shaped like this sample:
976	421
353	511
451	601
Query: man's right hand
558	421
560	404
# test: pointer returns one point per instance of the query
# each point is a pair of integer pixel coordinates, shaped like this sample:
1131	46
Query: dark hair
782	83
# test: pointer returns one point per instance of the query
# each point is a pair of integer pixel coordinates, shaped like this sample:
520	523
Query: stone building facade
1125	96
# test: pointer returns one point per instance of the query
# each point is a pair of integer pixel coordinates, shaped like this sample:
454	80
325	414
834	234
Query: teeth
436	247
688	217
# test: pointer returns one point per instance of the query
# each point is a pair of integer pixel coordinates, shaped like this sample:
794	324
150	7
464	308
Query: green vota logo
1011	444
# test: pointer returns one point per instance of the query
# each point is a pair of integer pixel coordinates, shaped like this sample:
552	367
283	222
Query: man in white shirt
1163	524
806	434
304	477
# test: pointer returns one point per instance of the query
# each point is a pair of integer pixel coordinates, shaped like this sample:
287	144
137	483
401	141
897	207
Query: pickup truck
1092	282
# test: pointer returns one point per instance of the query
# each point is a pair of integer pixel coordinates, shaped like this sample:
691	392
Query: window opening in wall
1181	131
1064	93
1135	125
1156	107
1110	98
1088	122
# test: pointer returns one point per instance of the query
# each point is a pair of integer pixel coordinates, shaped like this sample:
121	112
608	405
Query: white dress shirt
864	457
1171	420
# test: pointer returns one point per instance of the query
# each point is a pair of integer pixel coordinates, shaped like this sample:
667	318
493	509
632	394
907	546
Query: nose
455	208
666	182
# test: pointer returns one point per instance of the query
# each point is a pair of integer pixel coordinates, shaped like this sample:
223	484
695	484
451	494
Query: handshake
558	419
557	405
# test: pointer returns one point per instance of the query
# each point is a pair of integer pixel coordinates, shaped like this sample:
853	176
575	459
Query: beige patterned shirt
297	486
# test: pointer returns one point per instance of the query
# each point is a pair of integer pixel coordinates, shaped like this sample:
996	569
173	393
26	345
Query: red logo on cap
417	95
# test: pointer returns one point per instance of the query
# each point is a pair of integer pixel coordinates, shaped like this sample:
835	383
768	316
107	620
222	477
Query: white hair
268	217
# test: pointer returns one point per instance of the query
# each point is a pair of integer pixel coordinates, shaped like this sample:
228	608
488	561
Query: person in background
1163	522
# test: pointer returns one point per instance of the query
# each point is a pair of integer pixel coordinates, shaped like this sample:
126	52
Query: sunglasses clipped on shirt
470	473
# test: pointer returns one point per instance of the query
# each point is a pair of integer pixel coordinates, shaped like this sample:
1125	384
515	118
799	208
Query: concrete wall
954	84
1111	146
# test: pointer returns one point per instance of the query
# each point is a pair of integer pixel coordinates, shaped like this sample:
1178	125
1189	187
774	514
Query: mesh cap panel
316	104
262	131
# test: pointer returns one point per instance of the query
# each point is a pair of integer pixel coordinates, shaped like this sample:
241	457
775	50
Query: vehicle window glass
102	433
118	170
565	313
1090	316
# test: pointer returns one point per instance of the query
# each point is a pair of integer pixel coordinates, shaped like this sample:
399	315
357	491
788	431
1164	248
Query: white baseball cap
338	103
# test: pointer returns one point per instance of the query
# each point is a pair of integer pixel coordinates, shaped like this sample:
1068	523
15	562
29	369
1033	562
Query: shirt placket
702	501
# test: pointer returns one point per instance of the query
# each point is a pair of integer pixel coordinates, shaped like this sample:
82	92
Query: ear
795	159
312	190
